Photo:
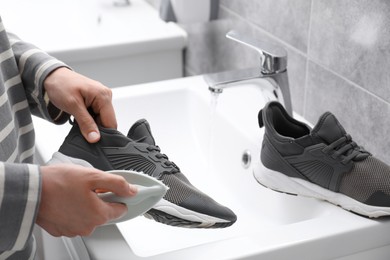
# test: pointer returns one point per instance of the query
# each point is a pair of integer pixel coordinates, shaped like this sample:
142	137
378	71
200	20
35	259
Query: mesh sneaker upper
368	182
180	188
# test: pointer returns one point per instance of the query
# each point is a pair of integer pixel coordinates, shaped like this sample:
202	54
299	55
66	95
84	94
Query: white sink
115	45
207	142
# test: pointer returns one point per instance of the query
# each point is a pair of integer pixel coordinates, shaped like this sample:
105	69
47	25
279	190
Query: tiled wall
339	57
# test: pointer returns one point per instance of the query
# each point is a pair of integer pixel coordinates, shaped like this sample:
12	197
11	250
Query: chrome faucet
273	67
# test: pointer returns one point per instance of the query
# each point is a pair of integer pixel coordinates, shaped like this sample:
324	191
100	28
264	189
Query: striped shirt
23	68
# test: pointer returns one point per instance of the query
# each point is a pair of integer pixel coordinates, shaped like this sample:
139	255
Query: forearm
34	66
20	187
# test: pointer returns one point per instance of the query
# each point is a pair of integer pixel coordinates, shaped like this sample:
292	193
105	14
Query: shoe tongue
140	132
328	128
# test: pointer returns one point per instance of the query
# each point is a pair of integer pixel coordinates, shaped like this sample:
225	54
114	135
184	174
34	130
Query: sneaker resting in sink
322	163
183	205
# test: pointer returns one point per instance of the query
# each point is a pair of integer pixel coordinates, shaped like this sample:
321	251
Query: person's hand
69	205
75	93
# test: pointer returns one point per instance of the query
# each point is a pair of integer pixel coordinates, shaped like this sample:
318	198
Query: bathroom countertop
89	26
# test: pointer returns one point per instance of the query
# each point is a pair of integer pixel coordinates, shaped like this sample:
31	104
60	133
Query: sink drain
246	159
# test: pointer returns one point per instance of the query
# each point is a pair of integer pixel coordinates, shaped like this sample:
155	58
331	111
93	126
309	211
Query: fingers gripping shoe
322	162
183	204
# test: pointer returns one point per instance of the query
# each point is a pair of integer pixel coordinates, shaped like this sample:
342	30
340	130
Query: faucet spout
273	68
217	82
221	80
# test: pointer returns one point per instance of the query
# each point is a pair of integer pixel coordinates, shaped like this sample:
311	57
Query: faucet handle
273	57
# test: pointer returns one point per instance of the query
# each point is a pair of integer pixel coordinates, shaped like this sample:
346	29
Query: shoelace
167	162
345	146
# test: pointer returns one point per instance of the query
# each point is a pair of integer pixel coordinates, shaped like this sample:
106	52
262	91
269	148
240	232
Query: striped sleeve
19	197
34	66
23	68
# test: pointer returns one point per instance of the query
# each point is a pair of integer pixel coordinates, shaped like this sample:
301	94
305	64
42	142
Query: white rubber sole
188	215
280	182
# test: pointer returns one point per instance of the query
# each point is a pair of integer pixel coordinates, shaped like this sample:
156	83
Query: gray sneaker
183	204
322	163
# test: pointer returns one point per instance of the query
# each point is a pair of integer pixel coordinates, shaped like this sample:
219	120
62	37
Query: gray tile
364	116
209	50
188	72
205	41
286	19
297	76
352	38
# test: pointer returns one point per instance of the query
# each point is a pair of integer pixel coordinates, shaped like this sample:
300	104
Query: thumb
87	125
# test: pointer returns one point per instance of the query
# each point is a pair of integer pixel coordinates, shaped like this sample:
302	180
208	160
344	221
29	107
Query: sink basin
118	46
206	136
